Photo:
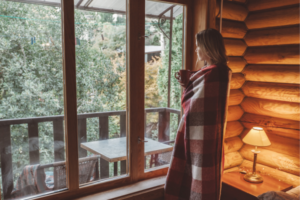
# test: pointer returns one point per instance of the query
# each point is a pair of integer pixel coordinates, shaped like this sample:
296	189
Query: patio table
113	150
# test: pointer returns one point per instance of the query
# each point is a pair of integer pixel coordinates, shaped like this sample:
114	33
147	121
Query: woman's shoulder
217	67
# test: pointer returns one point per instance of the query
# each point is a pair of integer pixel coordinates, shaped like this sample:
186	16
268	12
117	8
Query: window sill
128	190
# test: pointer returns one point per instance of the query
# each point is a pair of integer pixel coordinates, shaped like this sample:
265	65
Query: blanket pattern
196	165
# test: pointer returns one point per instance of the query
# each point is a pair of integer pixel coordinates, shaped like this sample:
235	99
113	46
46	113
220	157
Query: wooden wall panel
272	91
234	113
235	98
273	36
273	159
272	125
237	81
287	54
232	29
236	64
233	128
232	159
254	5
273	18
234	47
279	175
280	144
273	73
233	11
232	144
281	109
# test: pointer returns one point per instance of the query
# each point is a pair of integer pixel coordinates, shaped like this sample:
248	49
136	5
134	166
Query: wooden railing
58	136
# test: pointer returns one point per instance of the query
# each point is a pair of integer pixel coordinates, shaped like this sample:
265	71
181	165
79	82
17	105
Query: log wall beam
233	128
272	91
285	54
273	36
273	18
272	125
236	64
269	171
255	5
232	29
235	97
232	10
273	159
234	47
232	159
232	144
281	109
273	73
234	113
280	144
237	81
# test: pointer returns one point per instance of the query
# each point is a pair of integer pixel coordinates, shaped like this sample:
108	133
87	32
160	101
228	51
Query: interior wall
262	42
272	86
233	31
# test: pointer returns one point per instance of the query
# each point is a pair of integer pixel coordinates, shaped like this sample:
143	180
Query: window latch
140	140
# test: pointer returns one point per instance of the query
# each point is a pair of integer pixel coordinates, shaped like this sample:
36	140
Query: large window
90	95
31	100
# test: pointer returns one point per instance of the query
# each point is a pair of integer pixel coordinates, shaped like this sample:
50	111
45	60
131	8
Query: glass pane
31	99
100	42
164	28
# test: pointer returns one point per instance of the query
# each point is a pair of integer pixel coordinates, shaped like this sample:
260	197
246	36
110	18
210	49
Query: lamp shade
257	137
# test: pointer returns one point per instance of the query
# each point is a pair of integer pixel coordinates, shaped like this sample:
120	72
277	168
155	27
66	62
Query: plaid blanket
196	165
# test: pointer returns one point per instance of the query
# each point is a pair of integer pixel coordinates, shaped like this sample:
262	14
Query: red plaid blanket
196	165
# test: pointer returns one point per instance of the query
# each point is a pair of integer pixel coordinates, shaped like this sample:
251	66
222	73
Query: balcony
163	126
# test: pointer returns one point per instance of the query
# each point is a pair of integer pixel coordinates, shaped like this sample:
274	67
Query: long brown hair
212	44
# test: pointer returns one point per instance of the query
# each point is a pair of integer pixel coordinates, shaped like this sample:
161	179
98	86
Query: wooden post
59	144
33	134
103	135
6	161
123	134
70	99
81	137
164	126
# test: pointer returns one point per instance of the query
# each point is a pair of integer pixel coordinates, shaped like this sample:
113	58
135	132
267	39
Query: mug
183	76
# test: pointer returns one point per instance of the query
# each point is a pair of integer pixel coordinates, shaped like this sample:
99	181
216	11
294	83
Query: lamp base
253	178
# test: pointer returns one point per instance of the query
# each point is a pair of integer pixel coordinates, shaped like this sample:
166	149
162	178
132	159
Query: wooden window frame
135	92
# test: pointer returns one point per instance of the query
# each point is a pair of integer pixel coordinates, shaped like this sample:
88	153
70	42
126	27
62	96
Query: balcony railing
59	144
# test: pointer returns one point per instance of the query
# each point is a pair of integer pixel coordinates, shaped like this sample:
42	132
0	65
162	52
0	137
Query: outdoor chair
88	171
33	179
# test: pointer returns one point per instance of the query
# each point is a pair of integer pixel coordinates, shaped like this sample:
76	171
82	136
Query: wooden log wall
262	41
233	30
271	89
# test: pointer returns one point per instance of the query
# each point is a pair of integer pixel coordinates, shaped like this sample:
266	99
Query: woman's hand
178	77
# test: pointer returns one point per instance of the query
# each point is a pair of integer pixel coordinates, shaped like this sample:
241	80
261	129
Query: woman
196	165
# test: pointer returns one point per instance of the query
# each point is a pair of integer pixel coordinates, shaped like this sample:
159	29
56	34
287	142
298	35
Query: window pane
164	28
31	99
100	41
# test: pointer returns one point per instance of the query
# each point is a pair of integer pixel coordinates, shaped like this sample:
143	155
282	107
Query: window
101	90
164	31
88	138
31	99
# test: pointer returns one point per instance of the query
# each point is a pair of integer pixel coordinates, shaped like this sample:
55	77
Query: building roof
153	8
152	49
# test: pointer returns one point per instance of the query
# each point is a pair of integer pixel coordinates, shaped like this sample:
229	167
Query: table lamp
256	137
